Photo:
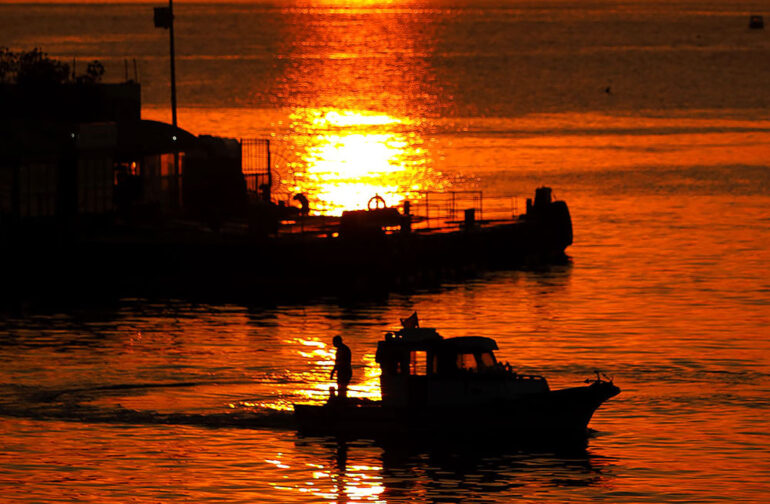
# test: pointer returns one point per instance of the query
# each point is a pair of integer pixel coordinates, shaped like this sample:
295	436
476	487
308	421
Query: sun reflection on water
312	384
350	155
338	481
329	474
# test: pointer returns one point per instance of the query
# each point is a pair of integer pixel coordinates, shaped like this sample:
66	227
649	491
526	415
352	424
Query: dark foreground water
649	119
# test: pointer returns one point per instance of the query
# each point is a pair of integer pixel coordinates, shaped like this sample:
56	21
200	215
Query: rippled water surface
650	119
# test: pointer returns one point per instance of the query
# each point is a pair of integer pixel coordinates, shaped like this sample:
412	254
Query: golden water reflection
321	360
312	385
349	156
337	480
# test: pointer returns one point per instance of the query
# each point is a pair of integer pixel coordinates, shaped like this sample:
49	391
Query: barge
364	254
97	202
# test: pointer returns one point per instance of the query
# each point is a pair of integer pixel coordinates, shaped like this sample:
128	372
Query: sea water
649	118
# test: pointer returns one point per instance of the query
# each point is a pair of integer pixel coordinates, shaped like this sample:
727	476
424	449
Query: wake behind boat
436	385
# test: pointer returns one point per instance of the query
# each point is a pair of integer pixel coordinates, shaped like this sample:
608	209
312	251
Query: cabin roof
471	343
419	334
424	338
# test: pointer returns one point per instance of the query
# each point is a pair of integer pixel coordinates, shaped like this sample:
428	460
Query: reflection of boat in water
436	385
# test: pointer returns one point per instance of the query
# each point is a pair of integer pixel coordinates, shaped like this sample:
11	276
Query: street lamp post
164	18
172	58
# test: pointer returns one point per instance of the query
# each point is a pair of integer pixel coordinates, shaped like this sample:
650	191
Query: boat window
418	363
487	359
467	362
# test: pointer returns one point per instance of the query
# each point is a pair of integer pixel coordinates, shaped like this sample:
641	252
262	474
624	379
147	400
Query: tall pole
173	66
164	18
177	182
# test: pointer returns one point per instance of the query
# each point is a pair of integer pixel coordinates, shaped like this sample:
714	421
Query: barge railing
431	211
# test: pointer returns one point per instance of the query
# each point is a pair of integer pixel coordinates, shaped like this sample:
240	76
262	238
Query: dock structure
97	200
358	260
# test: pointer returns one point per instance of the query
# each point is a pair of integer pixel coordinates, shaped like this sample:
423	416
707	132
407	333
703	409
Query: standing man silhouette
342	366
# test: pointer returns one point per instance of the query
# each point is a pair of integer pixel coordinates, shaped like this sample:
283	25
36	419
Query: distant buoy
756	22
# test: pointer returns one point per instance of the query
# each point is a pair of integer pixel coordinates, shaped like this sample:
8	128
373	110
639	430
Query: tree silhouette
35	68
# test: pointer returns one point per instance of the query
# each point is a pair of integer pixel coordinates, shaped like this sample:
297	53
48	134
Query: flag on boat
410	322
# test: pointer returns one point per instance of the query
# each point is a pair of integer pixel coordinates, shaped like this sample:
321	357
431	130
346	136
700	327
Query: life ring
375	201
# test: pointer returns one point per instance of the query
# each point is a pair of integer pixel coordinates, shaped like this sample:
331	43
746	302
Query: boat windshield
467	362
476	362
487	360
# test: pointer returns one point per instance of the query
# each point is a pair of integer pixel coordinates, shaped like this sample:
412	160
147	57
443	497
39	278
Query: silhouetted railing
435	209
255	164
430	210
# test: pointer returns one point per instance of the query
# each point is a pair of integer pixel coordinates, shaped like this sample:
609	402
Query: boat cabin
422	368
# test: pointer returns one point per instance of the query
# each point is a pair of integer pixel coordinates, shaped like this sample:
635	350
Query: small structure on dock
76	156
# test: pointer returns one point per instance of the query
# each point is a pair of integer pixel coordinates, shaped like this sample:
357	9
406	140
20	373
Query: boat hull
554	414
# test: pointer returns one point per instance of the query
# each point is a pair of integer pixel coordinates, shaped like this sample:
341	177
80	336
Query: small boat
434	385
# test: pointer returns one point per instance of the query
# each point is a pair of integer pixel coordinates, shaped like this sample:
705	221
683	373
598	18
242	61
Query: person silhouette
342	366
